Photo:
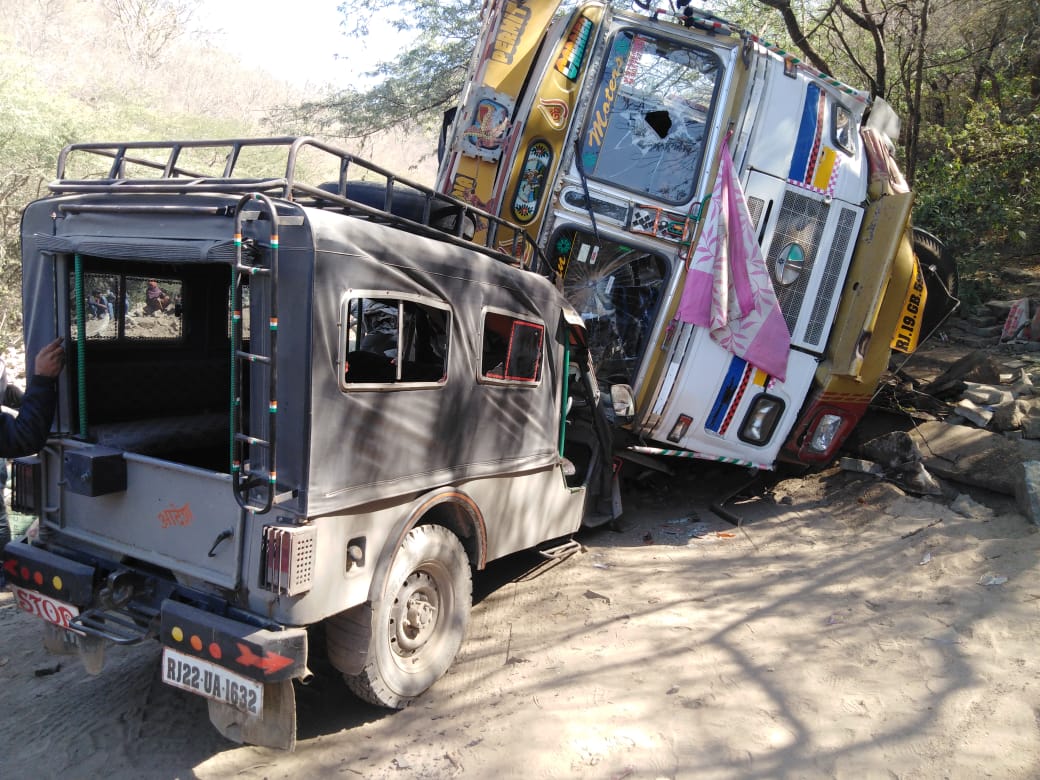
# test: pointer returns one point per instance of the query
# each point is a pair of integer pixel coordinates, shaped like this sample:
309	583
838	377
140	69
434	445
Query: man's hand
51	359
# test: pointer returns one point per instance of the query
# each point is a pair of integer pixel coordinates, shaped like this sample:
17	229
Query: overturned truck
292	413
729	222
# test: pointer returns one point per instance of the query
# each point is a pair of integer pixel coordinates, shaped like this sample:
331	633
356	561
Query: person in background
156	299
26	433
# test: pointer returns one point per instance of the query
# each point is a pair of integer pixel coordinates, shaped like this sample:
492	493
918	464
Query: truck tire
940	280
419	624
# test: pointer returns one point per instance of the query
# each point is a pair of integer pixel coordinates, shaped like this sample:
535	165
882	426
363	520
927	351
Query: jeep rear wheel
420	621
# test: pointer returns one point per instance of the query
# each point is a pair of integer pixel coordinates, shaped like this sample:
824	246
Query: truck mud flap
275	729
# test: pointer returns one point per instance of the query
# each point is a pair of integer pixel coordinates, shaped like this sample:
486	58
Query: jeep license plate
212	681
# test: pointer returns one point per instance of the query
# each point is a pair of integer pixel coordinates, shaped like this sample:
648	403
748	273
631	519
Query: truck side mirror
623	401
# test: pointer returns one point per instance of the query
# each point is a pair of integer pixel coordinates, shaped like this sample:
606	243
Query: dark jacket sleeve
13	396
27	433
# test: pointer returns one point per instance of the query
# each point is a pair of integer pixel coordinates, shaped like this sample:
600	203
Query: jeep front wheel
419	622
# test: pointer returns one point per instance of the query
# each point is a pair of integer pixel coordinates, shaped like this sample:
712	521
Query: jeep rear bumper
80	597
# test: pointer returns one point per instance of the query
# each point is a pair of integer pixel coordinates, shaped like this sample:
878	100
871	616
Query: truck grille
801	222
832	273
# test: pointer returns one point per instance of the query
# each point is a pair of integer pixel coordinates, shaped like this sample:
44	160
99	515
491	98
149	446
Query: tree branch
798	38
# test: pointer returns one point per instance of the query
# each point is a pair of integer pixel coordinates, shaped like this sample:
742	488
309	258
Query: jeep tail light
288	555
27	485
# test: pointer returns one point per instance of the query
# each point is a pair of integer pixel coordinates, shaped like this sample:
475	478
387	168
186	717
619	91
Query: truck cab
608	150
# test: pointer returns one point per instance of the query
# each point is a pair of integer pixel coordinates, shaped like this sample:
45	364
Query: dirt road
846	630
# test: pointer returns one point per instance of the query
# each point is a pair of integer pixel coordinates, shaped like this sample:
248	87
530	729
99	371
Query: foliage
979	147
148	27
414	87
421	82
98	90
413	90
966	80
978	182
30	131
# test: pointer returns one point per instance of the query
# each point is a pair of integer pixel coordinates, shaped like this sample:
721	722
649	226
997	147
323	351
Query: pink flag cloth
728	288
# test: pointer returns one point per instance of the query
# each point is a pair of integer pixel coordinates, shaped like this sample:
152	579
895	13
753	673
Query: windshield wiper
585	187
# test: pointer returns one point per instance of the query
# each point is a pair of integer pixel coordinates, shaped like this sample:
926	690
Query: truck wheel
420	621
940	279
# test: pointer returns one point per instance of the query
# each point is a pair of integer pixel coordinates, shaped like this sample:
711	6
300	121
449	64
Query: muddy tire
940	279
420	621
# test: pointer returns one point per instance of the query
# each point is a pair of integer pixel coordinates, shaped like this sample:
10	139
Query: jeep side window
511	349
395	340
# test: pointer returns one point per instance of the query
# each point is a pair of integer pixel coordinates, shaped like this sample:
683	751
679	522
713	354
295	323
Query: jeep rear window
511	349
118	307
647	125
391	340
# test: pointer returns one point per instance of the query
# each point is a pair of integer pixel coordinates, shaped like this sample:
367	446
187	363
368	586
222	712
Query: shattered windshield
616	289
649	119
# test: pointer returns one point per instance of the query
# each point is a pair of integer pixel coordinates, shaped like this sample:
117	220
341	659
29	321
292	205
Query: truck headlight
826	432
761	419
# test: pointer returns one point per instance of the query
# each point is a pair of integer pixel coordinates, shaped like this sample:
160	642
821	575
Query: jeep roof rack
386	198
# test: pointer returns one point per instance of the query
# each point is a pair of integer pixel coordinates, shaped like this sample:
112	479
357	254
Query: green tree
413	88
421	82
30	131
965	78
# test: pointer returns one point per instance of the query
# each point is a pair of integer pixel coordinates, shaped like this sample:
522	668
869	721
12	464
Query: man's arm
27	433
12	396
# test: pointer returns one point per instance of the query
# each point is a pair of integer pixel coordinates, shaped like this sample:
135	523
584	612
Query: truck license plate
53	611
212	681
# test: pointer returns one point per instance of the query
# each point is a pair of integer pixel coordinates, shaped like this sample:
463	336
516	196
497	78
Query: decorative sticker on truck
531	185
810	135
555	112
572	55
650	220
489	128
635	56
606	94
176	515
465	188
510	32
739	375
825	179
814	165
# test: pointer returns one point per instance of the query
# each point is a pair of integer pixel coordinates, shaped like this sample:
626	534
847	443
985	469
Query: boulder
972	456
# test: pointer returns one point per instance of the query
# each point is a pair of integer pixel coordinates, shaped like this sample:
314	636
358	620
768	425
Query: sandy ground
845	630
